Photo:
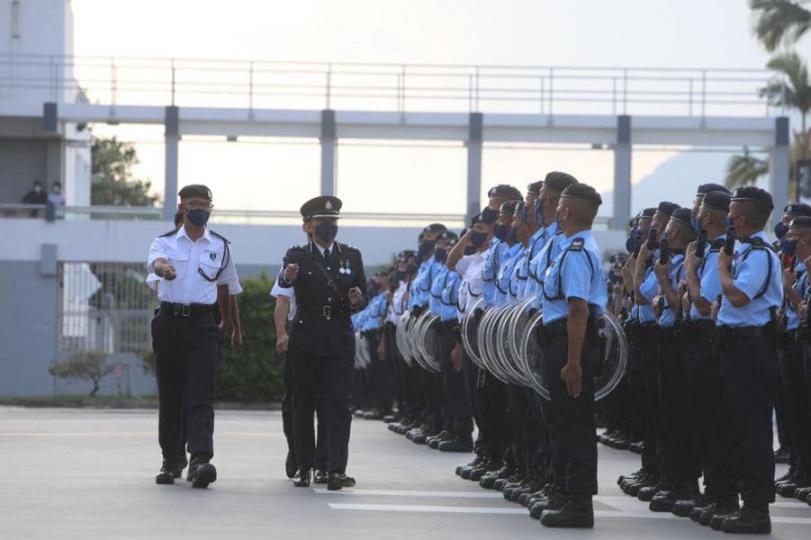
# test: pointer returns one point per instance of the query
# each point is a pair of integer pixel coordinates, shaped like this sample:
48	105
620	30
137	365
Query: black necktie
326	254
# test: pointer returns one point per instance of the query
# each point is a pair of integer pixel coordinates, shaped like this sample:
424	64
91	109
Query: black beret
647	213
583	192
195	190
435	228
504	190
703	189
717	200
489	216
535	187
684	215
666	208
406	254
475	219
325	206
451	236
802	222
559	181
799	209
755	195
508	207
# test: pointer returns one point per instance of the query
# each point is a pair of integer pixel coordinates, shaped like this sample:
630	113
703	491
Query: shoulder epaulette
170	233
577	244
221	237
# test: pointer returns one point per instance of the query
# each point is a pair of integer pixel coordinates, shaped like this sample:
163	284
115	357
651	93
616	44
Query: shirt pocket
180	260
209	263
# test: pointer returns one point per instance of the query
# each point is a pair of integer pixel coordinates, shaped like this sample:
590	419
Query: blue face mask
501	231
788	247
470	249
730	222
441	255
477	239
629	243
513	235
780	230
424	248
198	216
696	224
539	214
326	231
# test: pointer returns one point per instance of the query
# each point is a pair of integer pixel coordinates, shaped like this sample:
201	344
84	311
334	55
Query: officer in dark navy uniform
329	285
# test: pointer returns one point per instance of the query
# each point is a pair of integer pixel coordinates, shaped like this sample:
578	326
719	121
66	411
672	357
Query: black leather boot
169	471
202	473
302	478
577	513
752	519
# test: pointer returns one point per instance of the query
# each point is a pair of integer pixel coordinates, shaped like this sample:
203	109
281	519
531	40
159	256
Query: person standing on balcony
191	262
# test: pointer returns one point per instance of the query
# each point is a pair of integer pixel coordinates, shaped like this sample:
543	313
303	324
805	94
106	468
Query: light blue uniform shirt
375	312
519	275
421	286
801	286
576	273
493	258
667	318
504	273
756	273
709	282
450	296
541	260
437	286
649	289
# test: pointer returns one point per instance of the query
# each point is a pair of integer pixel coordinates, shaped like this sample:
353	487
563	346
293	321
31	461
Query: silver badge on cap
328	205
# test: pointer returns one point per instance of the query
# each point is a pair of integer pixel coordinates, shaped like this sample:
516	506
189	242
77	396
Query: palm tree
790	88
744	170
780	21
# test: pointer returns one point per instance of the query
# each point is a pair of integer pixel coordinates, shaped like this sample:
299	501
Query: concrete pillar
622	174
329	149
779	166
474	165
54	147
172	139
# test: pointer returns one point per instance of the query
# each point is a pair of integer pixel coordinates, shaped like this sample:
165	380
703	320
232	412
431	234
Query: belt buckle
326	312
185	310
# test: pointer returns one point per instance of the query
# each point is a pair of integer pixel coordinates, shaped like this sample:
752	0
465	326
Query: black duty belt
703	326
741	332
187	310
327	311
559	327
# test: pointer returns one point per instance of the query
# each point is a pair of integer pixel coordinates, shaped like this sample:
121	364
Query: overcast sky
657	33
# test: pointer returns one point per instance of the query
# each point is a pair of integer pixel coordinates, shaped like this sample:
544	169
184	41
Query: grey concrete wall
21	161
28	329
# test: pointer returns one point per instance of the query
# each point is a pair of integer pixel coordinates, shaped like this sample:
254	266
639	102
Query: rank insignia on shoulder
577	244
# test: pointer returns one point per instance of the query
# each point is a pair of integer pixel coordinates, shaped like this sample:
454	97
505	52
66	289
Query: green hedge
253	374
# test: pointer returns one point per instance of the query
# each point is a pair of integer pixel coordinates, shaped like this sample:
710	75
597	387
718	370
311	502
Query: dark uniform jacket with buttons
322	325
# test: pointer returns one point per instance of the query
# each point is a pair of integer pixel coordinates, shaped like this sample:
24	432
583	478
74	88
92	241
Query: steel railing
253	84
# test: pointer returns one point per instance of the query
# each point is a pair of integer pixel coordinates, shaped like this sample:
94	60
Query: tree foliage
779	21
83	366
113	181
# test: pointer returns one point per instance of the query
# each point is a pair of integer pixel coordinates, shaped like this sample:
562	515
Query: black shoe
290	465
338	481
749	521
389	418
722	511
636	447
169	471
202	473
577	513
456	445
782	455
302	478
320	476
684	507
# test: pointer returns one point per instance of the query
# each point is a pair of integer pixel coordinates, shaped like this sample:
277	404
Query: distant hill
674	180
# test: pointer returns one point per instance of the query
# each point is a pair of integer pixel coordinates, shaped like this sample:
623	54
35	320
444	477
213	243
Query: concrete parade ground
82	474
